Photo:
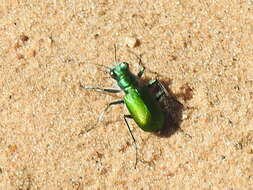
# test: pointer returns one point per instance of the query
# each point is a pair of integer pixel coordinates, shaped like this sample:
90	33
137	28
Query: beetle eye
112	74
125	65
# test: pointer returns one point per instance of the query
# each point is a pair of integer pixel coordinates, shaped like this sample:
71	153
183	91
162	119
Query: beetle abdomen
137	109
144	110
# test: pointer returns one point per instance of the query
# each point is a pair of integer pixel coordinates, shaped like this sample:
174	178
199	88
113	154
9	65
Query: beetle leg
162	88
151	82
101	116
142	68
155	81
130	117
98	89
141	71
161	92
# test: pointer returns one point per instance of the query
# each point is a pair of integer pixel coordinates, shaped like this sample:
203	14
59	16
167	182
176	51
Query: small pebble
32	53
132	42
20	56
23	38
16	45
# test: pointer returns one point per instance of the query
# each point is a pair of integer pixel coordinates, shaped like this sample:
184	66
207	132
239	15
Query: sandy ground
201	50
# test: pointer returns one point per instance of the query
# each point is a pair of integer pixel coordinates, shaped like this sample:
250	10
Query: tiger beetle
143	106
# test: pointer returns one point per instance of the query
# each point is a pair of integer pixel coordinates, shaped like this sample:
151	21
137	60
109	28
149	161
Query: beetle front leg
142	68
130	117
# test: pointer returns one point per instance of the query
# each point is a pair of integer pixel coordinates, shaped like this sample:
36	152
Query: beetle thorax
125	82
123	76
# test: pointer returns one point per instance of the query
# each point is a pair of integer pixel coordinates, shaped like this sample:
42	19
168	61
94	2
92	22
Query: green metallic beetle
143	106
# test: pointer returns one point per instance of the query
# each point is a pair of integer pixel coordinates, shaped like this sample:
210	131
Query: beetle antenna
115	54
108	68
100	65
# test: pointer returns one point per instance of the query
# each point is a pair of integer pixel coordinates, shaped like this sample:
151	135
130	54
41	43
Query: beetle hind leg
136	153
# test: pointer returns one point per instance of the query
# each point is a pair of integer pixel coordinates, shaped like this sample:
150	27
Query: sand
201	50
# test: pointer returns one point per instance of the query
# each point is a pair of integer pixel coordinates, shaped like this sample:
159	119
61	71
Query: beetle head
119	70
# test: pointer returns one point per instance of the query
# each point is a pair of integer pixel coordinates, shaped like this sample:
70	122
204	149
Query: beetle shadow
172	108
